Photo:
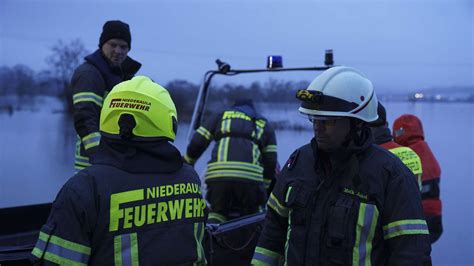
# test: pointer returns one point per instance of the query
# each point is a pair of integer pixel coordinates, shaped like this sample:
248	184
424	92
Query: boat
229	243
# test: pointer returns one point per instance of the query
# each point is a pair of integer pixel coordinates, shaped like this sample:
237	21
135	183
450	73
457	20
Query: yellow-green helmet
150	105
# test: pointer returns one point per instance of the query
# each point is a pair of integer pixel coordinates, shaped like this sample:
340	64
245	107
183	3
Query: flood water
37	153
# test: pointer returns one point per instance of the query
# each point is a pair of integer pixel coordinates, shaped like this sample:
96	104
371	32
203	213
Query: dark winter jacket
245	148
363	208
138	204
408	131
90	84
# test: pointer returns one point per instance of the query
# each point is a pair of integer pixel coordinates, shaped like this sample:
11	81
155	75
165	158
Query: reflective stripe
234	174
365	230
61	251
204	132
216	216
199	236
225	126
265	257
405	227
255	153
78	168
267	183
260	125
82	160
288	234
222	150
275	204
87	97
189	159
126	250
91	140
270	148
411	160
250	167
288	193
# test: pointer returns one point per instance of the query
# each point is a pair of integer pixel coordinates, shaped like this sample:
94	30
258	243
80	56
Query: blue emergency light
274	61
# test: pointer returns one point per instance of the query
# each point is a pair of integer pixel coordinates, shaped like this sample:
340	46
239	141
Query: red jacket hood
407	129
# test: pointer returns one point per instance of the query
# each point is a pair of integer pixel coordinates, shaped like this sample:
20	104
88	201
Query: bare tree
64	58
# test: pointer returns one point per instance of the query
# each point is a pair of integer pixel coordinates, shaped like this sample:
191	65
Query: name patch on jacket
139	207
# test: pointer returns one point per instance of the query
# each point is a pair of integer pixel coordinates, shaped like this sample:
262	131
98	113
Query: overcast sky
399	45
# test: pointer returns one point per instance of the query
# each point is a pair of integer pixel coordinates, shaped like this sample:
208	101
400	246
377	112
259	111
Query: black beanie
115	29
382	116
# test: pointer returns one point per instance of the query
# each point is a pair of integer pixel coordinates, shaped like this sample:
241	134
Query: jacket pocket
341	218
297	198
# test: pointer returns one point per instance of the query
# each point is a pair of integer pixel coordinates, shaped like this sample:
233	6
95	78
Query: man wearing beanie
383	138
91	81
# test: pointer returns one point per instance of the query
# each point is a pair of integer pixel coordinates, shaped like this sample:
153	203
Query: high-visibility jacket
408	131
136	205
245	149
91	82
383	138
364	209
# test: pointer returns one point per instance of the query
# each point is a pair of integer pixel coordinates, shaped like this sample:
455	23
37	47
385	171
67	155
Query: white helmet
339	92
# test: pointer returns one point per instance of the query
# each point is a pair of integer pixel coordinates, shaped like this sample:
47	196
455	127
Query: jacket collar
139	157
128	69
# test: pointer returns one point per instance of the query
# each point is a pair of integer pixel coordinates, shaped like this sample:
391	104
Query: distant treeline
22	81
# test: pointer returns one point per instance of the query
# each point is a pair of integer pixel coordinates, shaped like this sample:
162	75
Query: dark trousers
232	199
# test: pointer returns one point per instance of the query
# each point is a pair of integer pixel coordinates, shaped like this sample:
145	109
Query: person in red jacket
408	131
383	138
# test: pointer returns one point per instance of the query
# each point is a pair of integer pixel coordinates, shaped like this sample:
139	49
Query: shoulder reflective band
204	132
91	140
265	257
405	227
365	230
61	251
87	97
275	204
126	250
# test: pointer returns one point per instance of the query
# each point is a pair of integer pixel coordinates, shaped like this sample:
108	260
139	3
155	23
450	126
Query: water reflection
37	153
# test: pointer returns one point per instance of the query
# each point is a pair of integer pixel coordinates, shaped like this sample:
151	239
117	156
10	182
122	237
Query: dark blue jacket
245	148
363	208
90	83
137	204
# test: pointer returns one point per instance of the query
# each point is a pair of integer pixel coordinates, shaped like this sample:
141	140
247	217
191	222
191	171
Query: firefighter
91	81
341	200
138	203
408	130
243	160
383	138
